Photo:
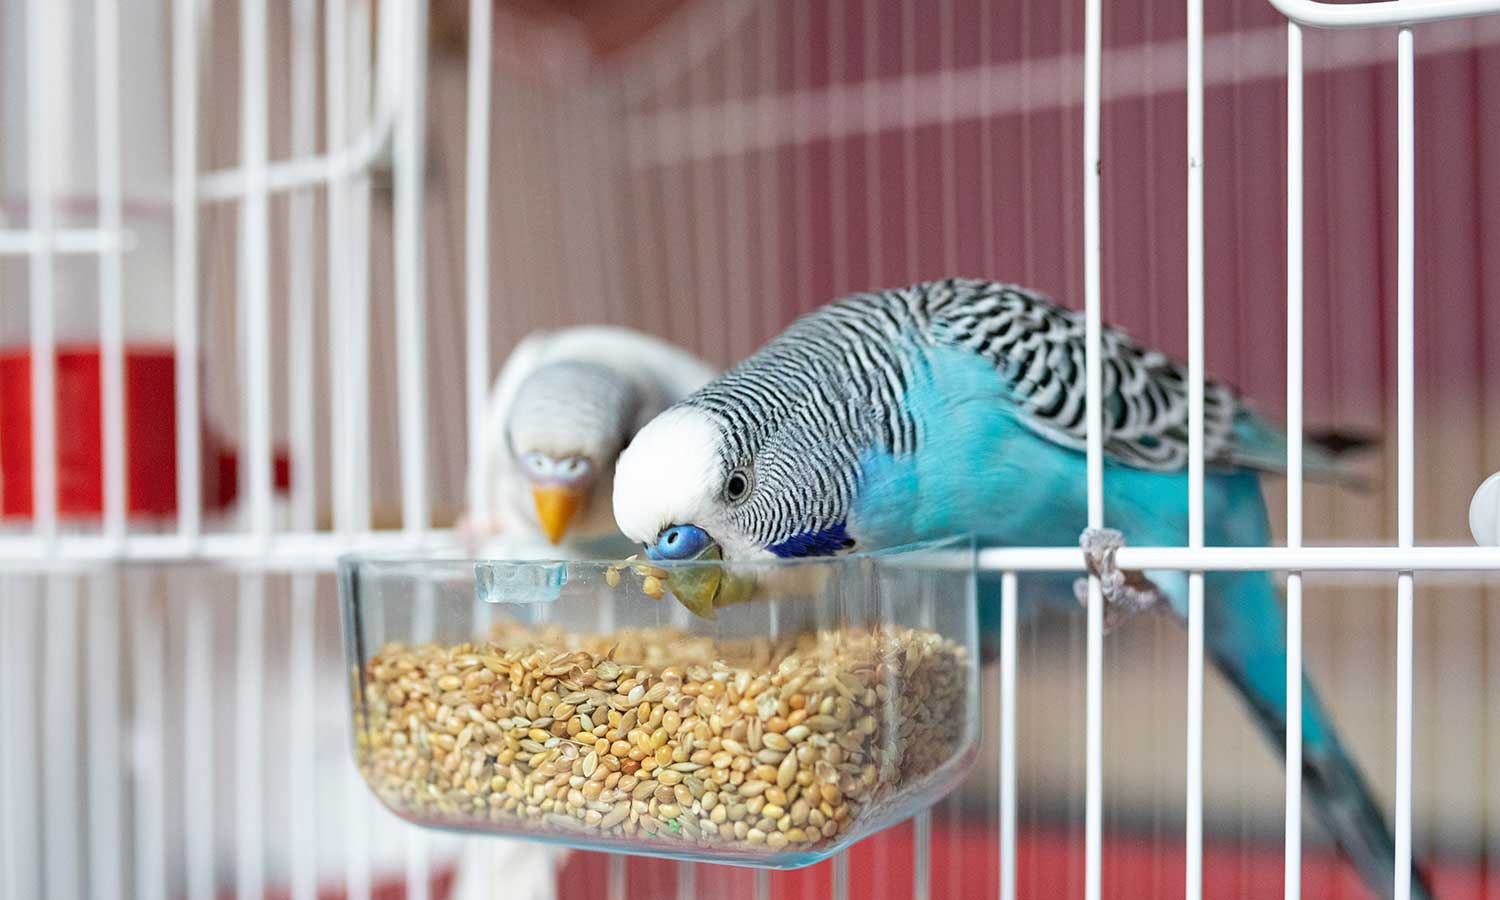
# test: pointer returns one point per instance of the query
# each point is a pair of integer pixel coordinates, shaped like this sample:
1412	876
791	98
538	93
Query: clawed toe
1124	593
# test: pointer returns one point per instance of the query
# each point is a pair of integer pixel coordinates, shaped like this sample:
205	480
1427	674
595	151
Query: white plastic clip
1484	513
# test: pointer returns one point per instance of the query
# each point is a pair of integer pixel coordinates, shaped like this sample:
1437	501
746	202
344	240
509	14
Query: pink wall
1014	211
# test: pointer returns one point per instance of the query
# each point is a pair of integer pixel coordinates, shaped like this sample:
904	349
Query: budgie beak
707	588
704	589
695	587
555	507
702	585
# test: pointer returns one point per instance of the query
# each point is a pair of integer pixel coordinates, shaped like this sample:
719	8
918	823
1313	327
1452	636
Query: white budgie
564	405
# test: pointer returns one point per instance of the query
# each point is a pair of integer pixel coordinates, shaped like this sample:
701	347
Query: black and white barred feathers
844	369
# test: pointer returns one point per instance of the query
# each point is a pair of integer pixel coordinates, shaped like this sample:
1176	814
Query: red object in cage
965	865
150	437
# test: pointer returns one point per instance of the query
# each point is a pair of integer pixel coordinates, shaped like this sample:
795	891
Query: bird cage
260	262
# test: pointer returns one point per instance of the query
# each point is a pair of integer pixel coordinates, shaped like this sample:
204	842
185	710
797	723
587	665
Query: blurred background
706	170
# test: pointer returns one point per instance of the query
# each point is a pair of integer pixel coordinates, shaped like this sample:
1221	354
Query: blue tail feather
1244	634
1260	445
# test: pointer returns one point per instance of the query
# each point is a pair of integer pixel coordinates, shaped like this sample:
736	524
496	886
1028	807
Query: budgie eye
737	487
538	464
573	467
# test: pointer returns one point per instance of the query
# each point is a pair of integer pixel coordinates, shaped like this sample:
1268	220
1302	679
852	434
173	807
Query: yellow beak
555	508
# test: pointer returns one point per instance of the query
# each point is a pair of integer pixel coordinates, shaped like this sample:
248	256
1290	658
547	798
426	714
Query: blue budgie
958	407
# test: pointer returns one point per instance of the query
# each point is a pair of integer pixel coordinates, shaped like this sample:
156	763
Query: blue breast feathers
827	542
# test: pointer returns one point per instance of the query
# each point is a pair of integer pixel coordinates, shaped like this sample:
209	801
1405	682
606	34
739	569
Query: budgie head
712	478
566	427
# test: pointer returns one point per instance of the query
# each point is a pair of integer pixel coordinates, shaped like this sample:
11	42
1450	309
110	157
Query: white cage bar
185	28
302	622
1093	64
1194	757
150	780
1405	443
42	53
1293	813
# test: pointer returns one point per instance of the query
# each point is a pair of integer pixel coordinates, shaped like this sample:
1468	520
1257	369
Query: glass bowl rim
957	551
